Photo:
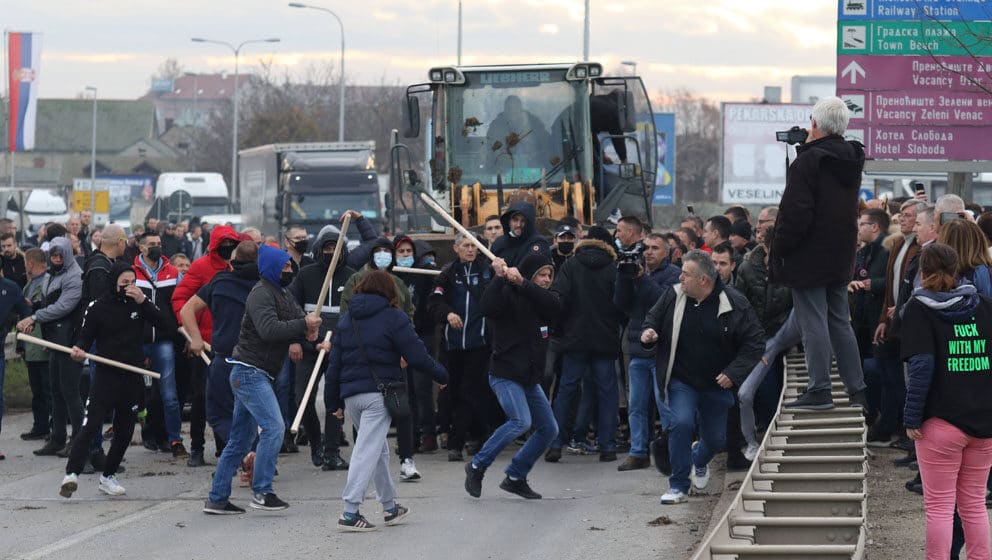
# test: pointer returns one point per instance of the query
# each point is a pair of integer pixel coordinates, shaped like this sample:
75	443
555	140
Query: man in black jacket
521	307
590	324
715	339
326	452
273	320
814	247
115	322
455	303
520	236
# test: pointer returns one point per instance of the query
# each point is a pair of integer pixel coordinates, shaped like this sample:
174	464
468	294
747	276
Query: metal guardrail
806	493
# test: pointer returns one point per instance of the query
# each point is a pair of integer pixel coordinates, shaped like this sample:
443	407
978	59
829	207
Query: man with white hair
816	238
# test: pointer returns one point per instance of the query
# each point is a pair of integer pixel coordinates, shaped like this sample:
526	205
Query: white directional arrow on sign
853	69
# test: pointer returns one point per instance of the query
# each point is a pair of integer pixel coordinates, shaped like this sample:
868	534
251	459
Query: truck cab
497	134
208	192
308	184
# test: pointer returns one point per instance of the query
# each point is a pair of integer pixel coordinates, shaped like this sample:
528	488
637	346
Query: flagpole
6	89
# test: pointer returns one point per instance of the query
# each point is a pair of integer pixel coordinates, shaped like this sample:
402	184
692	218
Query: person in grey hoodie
59	319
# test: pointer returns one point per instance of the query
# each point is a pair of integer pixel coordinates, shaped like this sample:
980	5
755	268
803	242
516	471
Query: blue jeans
641	374
284	391
255	406
164	362
573	368
220	399
712	406
525	406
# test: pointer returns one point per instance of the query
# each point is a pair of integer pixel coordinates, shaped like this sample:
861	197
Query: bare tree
973	42
697	140
168	70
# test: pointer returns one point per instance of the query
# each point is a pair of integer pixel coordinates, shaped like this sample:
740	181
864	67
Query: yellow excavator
562	136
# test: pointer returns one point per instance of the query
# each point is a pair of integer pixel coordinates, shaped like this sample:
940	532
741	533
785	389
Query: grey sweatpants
824	320
370	457
786	337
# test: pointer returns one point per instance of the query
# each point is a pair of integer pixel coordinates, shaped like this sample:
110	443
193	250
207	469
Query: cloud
548	29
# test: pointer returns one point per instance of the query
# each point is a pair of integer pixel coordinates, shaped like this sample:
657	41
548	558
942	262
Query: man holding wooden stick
326	452
116	323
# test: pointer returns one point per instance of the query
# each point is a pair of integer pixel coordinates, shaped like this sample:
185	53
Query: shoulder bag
394	393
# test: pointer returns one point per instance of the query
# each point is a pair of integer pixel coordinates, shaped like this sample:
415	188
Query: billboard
753	163
114	194
664	180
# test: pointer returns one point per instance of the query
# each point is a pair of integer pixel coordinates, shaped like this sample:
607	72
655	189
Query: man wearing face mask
297	244
564	246
115	322
381	257
224	296
324	452
157	279
520	236
222	241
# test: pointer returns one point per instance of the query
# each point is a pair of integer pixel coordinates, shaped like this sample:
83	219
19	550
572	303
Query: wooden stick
52	346
406	270
306	394
203	353
454	223
322	297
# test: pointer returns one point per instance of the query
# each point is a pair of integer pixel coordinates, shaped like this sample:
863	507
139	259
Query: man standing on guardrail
715	341
814	250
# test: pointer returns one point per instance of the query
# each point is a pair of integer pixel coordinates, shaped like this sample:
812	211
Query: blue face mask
405	262
382	259
429	260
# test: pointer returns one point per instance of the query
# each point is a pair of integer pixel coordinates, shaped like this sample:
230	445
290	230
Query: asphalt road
589	510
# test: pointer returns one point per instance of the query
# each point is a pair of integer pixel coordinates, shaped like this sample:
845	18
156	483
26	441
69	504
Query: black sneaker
355	523
267	502
317	455
520	488
49	449
859	400
905	461
903	443
473	447
64	452
473	480
553	455
289	444
659	450
196	459
334	463
455	456
150	445
179	450
226	508
607	456
877	438
395	516
819	399
33	435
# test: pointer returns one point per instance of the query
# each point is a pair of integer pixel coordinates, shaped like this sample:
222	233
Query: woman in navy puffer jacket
387	336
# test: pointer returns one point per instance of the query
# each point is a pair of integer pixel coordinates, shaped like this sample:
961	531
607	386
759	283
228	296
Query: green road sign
915	38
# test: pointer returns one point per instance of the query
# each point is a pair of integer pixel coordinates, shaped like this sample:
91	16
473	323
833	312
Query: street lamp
341	93
633	66
93	156
234	142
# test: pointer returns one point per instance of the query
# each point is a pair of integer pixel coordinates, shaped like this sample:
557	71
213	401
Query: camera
795	135
630	261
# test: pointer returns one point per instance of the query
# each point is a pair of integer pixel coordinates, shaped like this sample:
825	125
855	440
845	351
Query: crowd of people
664	345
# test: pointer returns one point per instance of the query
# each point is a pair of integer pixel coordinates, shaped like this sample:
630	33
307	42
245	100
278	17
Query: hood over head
326	235
594	253
220	233
63	247
118	268
422	248
270	263
380	242
847	158
522	207
363	306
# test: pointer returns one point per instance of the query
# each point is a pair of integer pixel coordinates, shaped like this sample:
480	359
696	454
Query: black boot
334	462
196	459
317	452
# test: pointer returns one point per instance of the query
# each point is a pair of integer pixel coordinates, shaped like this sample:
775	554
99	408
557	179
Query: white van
209	191
40	207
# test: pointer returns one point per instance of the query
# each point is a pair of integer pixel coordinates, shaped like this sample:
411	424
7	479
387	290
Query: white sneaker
674	497
110	486
69	485
751	452
408	471
700	477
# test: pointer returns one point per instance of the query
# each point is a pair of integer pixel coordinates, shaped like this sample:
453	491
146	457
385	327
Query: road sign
949	73
914	10
916	76
930	38
81	201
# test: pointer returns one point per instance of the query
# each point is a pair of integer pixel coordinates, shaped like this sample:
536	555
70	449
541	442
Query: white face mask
382	259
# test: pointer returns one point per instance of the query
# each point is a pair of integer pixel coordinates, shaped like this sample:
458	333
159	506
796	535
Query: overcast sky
723	49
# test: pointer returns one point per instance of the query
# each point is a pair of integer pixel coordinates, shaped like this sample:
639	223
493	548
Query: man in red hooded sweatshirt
223	240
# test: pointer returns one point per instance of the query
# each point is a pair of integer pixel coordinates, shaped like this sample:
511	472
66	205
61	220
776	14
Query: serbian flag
23	62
